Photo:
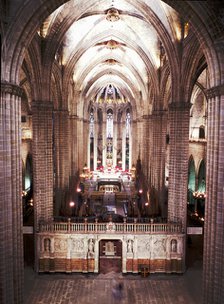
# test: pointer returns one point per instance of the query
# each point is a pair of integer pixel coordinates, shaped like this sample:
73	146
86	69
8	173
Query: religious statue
47	245
174	245
129	246
91	246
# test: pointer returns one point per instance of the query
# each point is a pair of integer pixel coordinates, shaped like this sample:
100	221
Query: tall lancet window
109	153
91	141
128	123
109	123
127	145
91	124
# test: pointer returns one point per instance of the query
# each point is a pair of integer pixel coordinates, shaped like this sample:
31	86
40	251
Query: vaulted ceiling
122	43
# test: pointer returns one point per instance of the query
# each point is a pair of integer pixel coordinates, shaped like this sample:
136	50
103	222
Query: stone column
73	144
85	141
135	148
130	150
95	146
79	143
11	234
147	145
123	145
115	146
61	157
178	163
139	138
42	160
119	139
213	265
158	149
88	152
104	138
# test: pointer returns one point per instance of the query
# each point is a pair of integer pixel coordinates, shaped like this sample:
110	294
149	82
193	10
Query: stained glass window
91	125
110	124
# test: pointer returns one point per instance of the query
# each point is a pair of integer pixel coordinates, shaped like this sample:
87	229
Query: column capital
11	88
215	91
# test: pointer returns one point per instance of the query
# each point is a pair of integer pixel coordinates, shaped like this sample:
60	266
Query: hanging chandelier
112	15
112	44
111	61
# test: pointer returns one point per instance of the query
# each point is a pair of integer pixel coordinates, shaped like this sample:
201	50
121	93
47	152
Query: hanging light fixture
112	15
112	44
111	61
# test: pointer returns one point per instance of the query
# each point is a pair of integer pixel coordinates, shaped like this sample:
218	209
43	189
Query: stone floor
98	288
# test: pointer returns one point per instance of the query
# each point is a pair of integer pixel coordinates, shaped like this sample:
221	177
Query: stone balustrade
134	228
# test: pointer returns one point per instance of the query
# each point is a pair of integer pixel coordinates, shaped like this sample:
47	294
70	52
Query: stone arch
27	28
191	64
104	58
165	86
59	102
150	69
197	13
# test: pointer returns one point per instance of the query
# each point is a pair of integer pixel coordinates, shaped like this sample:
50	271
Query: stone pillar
119	140
88	152
73	144
42	160
115	146
130	150
178	163
158	149
147	145
213	266
139	138
79	143
95	146
123	145
104	138
11	235
61	157
81	131
135	148
85	141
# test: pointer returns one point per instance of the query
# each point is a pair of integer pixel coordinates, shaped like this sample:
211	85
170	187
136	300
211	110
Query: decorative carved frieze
77	245
144	247
60	244
215	91
12	89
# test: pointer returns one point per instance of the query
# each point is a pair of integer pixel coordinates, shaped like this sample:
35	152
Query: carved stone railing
110	227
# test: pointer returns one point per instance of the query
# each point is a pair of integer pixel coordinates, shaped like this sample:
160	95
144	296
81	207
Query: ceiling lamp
111	61
112	44
112	15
